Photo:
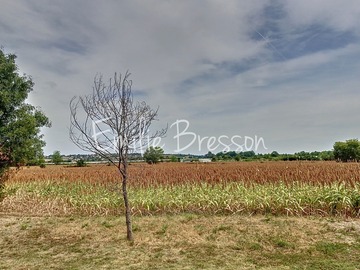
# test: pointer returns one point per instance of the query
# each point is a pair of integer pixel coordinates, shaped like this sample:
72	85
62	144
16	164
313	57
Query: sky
228	75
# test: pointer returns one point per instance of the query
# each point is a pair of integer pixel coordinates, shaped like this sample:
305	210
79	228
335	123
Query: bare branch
114	125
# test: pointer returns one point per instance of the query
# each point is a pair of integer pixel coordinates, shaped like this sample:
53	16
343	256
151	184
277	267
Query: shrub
81	163
153	155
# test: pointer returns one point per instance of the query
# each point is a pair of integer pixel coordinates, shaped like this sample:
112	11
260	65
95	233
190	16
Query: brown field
289	188
144	175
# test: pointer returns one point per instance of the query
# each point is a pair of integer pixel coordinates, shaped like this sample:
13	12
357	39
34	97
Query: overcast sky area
238	71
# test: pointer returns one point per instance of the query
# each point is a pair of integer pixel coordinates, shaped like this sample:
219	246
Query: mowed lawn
183	241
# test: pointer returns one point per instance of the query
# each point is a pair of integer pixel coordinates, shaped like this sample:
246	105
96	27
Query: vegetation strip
236	197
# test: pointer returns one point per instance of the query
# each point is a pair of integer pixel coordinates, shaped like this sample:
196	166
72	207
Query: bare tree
113	126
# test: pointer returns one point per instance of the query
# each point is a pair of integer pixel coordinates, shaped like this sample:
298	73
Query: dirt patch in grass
184	241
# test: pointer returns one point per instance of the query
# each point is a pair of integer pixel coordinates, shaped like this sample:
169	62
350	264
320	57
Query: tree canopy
153	155
56	157
347	151
20	123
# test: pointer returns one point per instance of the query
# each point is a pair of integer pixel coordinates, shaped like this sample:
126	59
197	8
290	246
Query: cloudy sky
284	71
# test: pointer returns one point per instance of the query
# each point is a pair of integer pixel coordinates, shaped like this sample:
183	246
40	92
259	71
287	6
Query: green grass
177	242
279	199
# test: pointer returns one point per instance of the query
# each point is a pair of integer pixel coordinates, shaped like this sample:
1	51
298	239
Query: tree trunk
129	234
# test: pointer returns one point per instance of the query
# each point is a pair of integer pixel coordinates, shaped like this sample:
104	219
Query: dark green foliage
56	158
81	163
153	155
347	151
173	158
275	156
20	123
209	155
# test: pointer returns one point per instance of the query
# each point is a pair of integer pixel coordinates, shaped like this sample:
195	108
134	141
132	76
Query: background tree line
273	156
348	151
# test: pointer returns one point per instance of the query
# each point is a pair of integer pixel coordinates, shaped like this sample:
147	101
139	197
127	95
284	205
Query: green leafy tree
153	155
81	163
347	151
20	123
209	155
173	158
327	155
56	158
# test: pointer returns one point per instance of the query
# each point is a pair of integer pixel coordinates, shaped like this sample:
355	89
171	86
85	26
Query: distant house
194	159
204	160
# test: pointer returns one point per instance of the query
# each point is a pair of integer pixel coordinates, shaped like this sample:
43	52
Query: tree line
348	151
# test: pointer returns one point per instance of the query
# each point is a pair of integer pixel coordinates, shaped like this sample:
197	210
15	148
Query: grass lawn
183	241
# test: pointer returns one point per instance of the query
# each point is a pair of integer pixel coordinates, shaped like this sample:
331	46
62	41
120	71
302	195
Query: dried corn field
171	174
291	188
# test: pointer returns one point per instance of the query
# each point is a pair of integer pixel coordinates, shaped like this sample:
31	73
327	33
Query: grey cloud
203	61
64	44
